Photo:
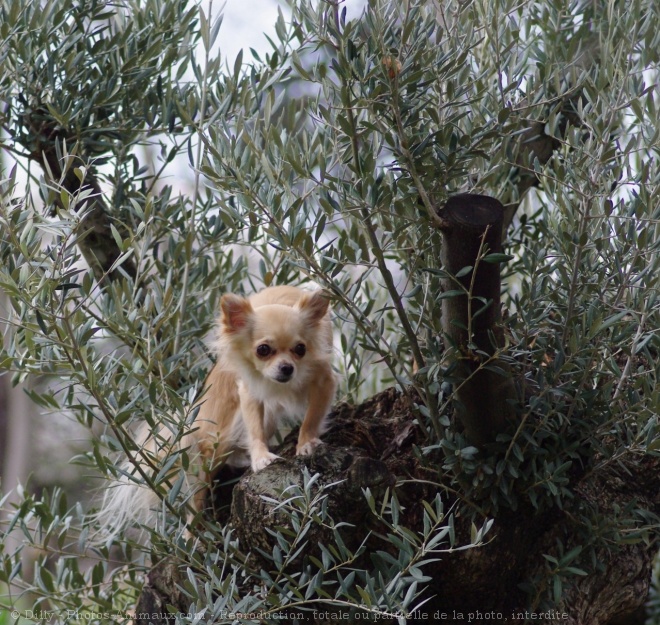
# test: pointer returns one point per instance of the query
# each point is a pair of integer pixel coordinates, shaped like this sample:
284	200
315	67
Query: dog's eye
264	350
300	350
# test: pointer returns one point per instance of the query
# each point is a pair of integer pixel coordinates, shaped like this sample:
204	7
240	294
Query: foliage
324	161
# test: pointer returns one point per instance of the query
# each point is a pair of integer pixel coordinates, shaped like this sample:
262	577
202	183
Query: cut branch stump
485	393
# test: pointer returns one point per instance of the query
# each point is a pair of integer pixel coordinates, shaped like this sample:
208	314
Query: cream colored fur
274	363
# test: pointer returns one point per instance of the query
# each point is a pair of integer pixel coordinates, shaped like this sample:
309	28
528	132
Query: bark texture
373	444
485	393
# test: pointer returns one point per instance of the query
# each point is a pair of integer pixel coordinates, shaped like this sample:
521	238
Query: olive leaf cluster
156	181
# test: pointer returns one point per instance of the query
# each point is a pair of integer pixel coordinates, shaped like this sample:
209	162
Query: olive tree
474	185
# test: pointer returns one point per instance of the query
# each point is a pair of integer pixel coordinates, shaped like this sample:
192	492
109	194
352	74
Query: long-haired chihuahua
274	363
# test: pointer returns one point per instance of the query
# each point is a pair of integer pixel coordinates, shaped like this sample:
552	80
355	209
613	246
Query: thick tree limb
532	144
485	393
95	241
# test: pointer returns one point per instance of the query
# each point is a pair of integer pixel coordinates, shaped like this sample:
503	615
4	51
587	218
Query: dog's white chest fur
280	407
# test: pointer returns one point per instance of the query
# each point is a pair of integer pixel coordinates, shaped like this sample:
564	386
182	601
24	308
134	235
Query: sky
245	23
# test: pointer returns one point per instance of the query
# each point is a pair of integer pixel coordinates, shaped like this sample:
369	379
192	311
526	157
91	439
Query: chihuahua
274	352
274	362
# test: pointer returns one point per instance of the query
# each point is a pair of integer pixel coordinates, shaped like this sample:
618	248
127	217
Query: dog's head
274	340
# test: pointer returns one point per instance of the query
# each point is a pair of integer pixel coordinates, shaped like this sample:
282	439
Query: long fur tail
130	505
125	504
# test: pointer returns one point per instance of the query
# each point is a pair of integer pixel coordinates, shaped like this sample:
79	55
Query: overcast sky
245	23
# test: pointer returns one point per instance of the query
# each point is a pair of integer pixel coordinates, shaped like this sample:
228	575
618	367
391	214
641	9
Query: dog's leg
252	411
321	394
200	477
200	495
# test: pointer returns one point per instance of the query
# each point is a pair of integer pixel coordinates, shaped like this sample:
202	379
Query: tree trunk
371	445
95	241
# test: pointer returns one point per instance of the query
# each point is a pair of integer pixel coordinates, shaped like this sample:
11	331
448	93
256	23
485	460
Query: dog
274	362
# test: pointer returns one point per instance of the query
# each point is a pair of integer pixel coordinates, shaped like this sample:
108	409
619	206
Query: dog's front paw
261	462
306	449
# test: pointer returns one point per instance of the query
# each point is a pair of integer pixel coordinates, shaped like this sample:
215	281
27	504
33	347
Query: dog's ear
314	306
236	312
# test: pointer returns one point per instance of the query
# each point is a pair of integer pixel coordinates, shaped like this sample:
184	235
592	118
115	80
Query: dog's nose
286	370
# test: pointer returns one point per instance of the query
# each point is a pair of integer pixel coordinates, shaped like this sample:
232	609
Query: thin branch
183	299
